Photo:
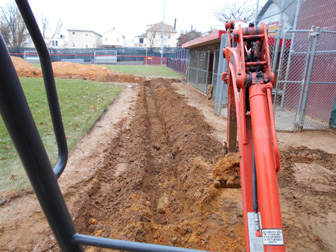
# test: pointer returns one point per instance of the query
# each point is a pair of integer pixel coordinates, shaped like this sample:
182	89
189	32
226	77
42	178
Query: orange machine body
250	115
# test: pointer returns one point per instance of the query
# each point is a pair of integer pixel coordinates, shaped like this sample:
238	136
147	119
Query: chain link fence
88	55
180	61
305	80
305	87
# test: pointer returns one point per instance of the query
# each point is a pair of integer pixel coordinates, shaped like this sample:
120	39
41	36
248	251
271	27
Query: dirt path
144	174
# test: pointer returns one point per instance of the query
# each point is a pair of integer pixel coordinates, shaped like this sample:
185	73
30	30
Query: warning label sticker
273	237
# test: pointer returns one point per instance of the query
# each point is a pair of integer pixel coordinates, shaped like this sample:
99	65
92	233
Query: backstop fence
304	93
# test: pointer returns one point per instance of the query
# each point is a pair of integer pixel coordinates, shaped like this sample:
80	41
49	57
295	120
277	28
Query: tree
151	34
45	26
12	26
236	10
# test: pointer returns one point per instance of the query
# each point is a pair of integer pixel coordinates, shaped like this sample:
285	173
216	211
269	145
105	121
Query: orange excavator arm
251	120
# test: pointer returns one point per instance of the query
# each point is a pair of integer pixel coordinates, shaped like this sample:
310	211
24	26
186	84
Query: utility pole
164	6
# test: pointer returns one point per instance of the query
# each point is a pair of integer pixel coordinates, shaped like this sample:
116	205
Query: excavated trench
155	184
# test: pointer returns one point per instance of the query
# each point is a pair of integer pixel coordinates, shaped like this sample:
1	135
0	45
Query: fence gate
305	88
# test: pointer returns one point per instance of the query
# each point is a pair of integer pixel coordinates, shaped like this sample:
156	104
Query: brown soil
24	69
68	70
144	173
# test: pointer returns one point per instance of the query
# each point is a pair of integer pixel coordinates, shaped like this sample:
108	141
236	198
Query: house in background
84	39
57	42
153	36
187	36
113	39
139	41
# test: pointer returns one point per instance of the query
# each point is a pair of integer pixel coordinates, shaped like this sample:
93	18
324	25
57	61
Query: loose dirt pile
24	69
66	70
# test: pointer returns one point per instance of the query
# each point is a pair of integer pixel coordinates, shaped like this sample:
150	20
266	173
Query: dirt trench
155	184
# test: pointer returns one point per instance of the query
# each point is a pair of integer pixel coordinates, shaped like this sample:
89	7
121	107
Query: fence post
298	7
298	109
276	51
279	71
213	72
309	74
207	73
197	66
220	84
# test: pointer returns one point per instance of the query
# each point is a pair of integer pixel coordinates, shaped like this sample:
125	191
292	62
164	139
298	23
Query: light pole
164	6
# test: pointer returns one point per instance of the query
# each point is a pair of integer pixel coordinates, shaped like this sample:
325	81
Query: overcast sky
129	17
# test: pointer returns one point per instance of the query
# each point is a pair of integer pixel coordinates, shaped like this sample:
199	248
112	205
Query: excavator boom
251	120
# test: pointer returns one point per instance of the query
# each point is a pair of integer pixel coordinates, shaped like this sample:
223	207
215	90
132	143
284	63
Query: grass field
145	70
141	70
81	102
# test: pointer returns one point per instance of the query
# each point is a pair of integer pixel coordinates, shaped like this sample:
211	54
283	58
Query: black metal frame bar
49	82
22	129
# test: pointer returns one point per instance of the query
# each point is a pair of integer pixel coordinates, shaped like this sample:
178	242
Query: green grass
38	65
141	70
81	102
145	70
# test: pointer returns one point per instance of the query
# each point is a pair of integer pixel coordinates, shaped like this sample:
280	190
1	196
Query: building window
86	45
53	43
169	36
141	40
73	33
73	45
105	39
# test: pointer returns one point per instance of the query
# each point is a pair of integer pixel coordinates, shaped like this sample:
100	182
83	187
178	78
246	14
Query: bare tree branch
150	35
57	29
44	25
13	28
234	10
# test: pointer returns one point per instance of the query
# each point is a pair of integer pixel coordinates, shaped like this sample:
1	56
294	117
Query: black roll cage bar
24	134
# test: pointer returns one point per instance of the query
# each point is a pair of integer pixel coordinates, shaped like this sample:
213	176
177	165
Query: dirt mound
66	70
24	69
226	173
